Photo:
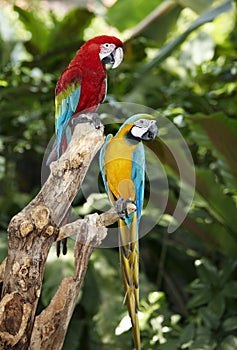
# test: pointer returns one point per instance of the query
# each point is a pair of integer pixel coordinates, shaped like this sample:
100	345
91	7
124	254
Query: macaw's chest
93	91
118	162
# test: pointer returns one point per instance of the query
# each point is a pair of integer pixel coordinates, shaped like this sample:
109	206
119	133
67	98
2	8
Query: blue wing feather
138	176
67	107
102	155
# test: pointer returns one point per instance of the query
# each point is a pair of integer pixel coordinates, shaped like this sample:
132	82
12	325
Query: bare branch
106	219
51	325
2	269
31	234
158	12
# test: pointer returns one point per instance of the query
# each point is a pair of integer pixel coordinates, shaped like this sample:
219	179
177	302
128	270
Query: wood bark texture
31	233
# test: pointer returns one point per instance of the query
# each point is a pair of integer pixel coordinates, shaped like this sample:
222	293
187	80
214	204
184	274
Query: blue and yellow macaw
122	164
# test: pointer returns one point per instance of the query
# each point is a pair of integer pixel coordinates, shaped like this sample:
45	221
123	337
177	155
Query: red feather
87	68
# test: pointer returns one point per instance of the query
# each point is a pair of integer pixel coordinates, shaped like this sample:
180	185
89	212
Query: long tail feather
130	273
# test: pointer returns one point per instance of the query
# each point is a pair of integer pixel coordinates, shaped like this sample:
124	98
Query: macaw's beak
114	58
152	131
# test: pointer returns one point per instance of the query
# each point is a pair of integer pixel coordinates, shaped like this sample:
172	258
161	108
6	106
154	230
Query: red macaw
122	164
81	88
83	84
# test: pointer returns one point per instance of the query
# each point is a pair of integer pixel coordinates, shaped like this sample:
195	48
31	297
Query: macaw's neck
126	134
132	139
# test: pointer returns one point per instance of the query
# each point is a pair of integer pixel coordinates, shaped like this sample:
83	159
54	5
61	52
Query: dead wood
30	235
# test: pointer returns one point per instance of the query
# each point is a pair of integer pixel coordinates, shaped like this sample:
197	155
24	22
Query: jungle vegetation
181	62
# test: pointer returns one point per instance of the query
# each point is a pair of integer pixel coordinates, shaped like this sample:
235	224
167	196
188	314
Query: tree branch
2	269
31	234
51	325
106	219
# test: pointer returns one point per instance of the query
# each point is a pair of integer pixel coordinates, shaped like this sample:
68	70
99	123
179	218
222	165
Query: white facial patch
105	50
138	132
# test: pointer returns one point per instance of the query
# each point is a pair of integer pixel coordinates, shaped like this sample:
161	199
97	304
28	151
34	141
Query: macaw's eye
107	48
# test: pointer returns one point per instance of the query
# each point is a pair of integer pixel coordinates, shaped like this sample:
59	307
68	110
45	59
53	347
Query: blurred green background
180	60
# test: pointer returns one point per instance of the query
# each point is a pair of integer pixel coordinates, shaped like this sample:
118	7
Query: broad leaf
218	204
204	18
39	40
229	343
118	16
218	133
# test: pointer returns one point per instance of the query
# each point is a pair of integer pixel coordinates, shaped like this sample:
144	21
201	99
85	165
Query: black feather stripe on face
131	139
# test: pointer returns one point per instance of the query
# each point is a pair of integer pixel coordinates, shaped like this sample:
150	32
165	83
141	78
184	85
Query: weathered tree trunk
31	234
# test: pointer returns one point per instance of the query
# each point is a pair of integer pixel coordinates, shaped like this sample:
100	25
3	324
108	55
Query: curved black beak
108	59
151	132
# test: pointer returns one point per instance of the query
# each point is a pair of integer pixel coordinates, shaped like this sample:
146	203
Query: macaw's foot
96	120
121	206
92	118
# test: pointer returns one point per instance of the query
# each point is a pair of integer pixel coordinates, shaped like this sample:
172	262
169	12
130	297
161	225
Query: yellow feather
63	95
130	273
117	169
118	164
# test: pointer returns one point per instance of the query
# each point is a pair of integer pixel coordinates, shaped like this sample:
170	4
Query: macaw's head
143	129
108	49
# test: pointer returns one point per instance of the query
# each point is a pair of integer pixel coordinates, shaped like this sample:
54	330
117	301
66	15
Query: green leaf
71	28
204	18
213	233
230	324
167	345
163	16
209	318
218	133
219	204
230	289
74	333
198	6
207	272
137	10
187	335
90	289
111	310
202	297
229	343
227	270
37	28
217	307
203	339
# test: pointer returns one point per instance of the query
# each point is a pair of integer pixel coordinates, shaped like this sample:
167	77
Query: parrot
83	84
80	89
122	165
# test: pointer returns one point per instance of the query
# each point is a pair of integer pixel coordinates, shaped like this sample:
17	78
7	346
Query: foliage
181	61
